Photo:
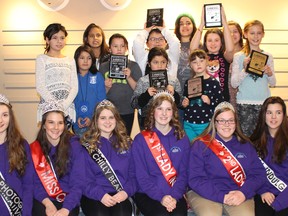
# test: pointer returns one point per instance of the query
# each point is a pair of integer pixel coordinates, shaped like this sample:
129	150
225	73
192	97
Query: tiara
4	99
223	105
105	102
161	93
51	105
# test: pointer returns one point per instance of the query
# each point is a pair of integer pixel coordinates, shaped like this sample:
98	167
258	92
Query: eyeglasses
223	122
153	39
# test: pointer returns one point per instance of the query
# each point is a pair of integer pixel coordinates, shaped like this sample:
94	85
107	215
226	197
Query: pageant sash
161	157
105	166
11	199
273	179
231	164
46	173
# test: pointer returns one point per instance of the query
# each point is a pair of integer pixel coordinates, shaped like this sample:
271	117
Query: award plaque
158	79
117	64
154	17
257	62
195	87
212	15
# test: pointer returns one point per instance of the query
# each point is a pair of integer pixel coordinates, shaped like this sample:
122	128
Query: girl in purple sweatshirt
16	169
271	141
224	170
160	154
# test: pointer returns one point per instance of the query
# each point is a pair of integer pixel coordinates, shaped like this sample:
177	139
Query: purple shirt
72	181
209	178
97	185
22	185
148	174
280	170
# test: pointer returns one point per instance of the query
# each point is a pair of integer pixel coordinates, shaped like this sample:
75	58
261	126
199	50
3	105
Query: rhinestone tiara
105	102
160	93
4	100
223	105
51	105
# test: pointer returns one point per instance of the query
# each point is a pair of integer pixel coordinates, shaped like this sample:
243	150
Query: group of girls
153	168
224	172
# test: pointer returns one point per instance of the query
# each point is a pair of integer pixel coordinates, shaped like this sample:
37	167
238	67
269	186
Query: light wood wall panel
21	38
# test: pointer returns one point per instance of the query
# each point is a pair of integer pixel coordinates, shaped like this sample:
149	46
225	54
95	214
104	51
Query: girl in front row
16	168
199	110
160	154
109	184
271	141
224	169
57	156
143	93
91	89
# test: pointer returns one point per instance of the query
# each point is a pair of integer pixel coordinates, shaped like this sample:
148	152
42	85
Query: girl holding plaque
202	94
220	49
58	161
252	89
109	166
91	89
56	76
160	154
145	90
270	139
16	168
94	37
224	169
120	90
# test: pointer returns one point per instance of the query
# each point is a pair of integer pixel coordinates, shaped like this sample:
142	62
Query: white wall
22	24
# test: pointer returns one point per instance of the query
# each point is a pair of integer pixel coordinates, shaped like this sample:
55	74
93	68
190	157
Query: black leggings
92	207
39	208
263	209
151	207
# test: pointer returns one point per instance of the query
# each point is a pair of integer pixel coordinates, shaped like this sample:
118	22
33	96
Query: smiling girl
56	76
224	170
58	156
252	89
163	143
270	139
107	140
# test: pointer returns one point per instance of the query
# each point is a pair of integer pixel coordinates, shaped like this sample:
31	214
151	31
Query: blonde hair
246	49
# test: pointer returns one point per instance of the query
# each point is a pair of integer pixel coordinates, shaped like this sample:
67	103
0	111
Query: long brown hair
260	134
150	120
63	147
246	48
104	49
121	142
177	26
211	129
16	150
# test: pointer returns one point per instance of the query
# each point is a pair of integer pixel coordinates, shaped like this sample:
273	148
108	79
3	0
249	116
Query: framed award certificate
195	87
257	62
116	66
154	17
212	15
158	79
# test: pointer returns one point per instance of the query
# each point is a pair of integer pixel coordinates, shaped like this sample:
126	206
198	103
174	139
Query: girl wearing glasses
156	36
224	169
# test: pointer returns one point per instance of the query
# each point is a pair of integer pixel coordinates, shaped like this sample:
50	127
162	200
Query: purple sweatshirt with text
209	178
149	177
